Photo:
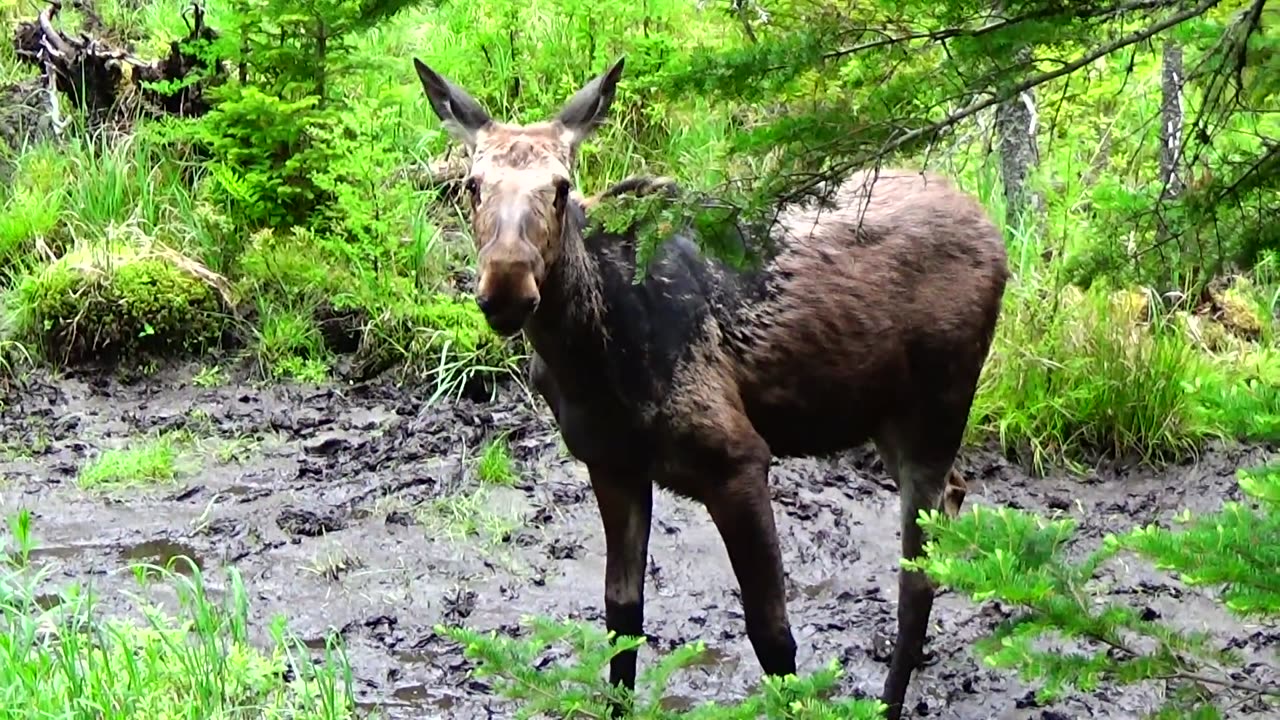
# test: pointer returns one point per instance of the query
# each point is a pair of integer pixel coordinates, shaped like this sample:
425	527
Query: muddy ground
327	500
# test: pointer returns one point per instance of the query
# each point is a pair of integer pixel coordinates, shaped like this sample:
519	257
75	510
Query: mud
333	503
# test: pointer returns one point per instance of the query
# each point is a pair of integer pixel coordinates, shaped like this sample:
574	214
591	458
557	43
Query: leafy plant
579	689
1067	635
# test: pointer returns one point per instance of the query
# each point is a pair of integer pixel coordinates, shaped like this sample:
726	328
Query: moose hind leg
922	486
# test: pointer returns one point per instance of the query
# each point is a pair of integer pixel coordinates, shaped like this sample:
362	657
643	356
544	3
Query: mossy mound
106	302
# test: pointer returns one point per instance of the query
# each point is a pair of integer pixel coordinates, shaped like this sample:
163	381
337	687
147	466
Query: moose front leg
626	507
741	508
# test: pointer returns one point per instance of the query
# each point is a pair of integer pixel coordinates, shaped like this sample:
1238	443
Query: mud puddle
346	509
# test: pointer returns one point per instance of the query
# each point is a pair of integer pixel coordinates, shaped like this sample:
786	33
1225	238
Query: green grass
71	659
463	516
1074	374
495	465
1062	384
150	461
210	376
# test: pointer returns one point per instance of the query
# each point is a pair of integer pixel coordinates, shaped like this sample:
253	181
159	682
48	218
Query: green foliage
1068	635
151	461
1237	548
25	217
1079	374
289	345
903	82
580	690
57	661
303	186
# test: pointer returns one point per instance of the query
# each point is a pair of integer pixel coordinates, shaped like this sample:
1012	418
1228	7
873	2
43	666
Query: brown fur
872	322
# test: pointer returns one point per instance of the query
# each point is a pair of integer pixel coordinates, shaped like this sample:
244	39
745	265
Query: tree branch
1031	82
949	33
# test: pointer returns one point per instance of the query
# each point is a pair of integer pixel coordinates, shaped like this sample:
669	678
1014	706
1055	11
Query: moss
1238	309
105	304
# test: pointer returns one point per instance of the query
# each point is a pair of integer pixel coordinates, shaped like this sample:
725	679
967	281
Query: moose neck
568	329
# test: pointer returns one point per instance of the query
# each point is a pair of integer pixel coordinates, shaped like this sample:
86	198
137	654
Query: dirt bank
328	500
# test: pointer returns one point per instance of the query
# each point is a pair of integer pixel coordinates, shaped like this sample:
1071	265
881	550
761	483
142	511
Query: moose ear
461	115
587	109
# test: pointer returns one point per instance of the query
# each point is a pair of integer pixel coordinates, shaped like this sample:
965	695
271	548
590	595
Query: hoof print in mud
399	517
564	549
330	444
306	523
458	606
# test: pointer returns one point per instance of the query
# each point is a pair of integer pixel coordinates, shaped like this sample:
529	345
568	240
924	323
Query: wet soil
340	508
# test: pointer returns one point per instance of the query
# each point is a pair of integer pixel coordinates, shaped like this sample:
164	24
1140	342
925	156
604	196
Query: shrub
579	690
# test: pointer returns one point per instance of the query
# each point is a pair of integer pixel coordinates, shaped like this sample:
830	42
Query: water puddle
172	555
422	696
417	698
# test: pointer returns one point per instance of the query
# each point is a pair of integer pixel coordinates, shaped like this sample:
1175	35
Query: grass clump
437	336
289	345
118	298
1074	374
58	662
152	461
496	466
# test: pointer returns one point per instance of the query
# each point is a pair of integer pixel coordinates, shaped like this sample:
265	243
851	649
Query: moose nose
488	305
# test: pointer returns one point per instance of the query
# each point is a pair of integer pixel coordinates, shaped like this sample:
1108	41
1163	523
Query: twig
51	87
46	27
1230	684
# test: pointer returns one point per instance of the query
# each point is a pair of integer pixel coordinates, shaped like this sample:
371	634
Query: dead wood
107	81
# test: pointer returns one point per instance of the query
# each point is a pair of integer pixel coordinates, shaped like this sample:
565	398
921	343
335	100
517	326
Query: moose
870	319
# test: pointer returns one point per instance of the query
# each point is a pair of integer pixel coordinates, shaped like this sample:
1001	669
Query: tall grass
67	659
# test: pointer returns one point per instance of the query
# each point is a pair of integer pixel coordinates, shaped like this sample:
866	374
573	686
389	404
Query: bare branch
46	26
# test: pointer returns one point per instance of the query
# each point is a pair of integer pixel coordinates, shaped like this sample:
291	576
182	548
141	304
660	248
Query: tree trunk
1017	123
1171	118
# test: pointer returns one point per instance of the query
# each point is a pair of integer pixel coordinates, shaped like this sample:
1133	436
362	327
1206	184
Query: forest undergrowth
344	256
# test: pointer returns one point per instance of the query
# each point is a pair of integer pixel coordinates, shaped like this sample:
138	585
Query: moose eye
473	189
